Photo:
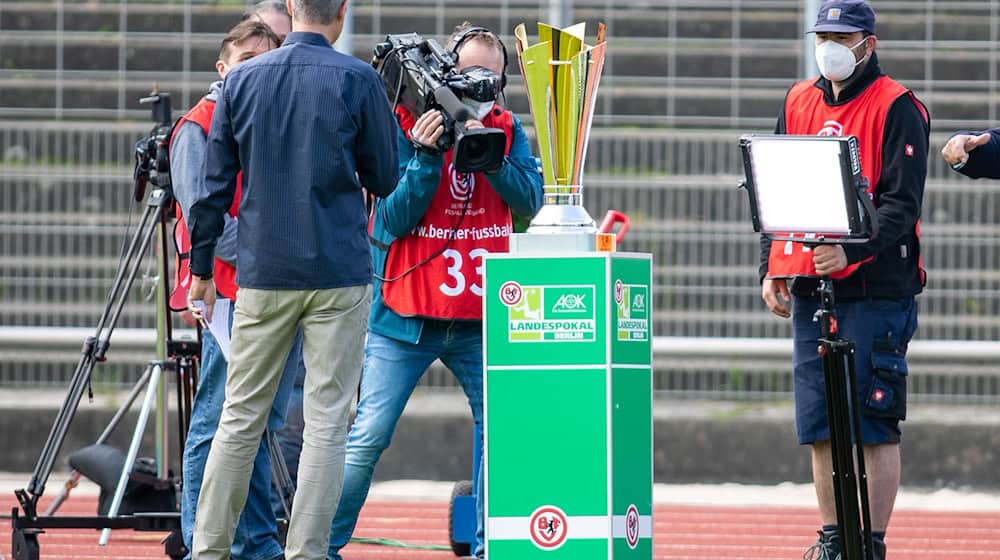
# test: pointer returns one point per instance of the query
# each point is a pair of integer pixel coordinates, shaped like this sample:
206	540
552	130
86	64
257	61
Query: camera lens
480	150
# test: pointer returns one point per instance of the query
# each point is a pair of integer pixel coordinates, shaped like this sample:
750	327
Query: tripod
850	487
27	524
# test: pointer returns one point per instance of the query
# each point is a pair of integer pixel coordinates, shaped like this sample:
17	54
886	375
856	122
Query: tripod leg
279	473
866	516
25	545
837	362
93	351
133	450
181	421
115	420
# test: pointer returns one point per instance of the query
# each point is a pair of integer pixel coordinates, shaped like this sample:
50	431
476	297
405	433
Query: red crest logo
548	527
632	526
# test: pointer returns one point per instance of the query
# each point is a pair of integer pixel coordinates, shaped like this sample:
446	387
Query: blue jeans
256	534
392	370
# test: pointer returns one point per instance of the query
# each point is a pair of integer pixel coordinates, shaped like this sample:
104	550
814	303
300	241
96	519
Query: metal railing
684	367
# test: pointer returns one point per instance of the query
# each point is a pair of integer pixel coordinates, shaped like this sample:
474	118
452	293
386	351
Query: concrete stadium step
26	51
640	102
956	20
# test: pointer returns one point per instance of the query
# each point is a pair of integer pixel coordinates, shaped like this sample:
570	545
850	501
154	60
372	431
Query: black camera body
152	160
421	76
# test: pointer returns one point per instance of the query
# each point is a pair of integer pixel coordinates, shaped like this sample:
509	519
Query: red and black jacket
894	269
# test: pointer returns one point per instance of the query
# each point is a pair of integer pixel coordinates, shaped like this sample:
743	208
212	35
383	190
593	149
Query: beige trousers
333	323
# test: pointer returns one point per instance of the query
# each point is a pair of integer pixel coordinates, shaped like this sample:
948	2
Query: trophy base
563	242
558	228
560	218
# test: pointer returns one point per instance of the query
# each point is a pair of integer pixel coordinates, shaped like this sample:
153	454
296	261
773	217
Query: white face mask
478	108
836	62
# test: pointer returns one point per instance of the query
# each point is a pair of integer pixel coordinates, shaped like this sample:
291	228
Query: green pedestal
568	407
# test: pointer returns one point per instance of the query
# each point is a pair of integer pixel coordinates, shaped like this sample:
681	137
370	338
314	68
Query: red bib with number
806	112
466	220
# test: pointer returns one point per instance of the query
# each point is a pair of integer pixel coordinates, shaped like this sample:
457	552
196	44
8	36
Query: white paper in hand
219	325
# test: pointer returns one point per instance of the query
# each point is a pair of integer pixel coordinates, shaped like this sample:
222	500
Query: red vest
224	273
449	285
807	113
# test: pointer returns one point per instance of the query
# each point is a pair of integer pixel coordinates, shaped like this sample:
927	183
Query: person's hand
203	290
472	124
956	151
428	128
829	259
774	291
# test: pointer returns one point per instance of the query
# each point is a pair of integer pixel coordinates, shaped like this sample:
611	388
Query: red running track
681	533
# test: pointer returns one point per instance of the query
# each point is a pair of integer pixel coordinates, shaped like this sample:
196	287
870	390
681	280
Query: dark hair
265	6
323	12
244	30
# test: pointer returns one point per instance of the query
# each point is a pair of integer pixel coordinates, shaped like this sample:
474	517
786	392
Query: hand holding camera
427	130
430	127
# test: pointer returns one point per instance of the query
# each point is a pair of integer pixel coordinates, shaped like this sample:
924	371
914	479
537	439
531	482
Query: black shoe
827	547
878	548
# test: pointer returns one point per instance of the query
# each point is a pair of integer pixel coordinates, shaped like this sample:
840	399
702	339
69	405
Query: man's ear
219	67
343	10
288	6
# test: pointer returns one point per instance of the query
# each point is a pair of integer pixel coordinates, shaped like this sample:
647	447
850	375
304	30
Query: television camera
421	76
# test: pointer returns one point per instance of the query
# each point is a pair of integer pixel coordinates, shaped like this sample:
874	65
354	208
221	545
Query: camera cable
439	252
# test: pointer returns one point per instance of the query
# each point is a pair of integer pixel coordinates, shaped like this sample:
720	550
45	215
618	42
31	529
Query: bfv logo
462	184
570	303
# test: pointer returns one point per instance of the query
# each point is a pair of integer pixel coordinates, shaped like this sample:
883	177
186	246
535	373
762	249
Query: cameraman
427	301
257	537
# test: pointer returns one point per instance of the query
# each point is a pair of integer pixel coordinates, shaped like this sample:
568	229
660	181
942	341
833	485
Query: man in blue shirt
309	127
257	533
428	241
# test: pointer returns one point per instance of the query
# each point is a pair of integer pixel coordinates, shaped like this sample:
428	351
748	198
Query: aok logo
575	302
638	304
570	303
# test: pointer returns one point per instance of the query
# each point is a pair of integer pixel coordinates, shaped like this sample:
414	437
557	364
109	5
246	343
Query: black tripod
27	524
850	486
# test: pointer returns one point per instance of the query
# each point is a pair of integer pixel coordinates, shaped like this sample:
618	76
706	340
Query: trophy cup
561	74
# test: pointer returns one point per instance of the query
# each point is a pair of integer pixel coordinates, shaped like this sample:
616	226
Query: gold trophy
561	74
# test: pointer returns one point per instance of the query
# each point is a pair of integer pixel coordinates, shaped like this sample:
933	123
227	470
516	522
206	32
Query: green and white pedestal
568	406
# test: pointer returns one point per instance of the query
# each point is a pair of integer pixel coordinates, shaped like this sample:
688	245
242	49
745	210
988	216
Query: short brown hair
244	30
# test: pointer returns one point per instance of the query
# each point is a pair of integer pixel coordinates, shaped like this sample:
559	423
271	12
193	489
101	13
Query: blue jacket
309	127
518	182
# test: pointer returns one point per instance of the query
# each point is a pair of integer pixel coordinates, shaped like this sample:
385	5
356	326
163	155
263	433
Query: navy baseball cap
844	16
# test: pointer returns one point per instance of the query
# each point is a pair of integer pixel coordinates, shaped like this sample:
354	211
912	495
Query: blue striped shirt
309	127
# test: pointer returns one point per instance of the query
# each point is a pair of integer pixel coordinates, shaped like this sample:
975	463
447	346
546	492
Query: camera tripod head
152	160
